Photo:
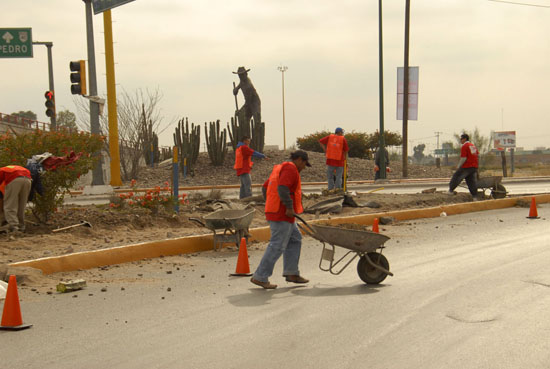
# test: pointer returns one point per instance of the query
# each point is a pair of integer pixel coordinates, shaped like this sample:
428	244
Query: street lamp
283	69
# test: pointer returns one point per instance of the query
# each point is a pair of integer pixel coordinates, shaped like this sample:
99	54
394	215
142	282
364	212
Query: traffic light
78	77
50	104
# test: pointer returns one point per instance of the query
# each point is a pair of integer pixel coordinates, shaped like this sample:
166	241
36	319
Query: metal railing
24	123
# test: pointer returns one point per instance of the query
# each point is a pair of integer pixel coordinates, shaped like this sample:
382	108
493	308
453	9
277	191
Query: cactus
216	143
256	132
188	143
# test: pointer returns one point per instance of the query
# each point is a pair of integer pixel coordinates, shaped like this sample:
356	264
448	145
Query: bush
357	142
311	142
152	199
16	149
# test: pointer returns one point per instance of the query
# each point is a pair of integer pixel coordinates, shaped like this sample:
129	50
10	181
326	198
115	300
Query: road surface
469	291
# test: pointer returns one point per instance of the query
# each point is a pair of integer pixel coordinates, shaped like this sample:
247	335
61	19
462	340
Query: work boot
265	285
296	279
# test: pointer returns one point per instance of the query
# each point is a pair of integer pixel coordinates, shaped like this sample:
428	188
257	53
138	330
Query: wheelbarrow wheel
368	273
498	192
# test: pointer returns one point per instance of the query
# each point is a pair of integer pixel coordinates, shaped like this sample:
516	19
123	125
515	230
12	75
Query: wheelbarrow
233	223
498	191
372	267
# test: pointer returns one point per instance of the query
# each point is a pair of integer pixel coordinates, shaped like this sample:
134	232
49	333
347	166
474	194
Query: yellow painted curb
191	244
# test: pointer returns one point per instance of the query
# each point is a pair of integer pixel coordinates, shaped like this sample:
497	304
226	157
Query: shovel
82	223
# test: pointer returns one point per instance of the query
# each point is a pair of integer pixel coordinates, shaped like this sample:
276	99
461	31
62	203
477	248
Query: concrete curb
191	244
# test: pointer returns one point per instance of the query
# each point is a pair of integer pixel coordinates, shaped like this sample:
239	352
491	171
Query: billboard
504	140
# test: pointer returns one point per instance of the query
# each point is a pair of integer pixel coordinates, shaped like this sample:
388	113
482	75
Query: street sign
101	5
15	42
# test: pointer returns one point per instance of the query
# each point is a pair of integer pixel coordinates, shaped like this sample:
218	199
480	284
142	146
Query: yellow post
111	100
345	175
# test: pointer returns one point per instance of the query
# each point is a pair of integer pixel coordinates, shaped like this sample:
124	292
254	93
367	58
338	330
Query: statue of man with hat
252	105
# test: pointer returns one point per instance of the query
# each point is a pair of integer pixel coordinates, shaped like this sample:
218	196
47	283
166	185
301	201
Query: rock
372	204
386	220
429	190
71	286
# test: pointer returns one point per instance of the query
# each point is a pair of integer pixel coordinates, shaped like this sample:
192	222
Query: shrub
16	149
311	142
152	199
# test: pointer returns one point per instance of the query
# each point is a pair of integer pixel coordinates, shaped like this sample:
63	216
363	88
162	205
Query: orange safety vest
240	161
11	169
335	147
273	202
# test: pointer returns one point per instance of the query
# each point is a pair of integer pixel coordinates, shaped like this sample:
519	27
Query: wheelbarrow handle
197	220
306	227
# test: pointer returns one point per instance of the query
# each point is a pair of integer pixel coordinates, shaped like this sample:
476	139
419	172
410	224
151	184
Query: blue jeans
334	171
285	240
246	186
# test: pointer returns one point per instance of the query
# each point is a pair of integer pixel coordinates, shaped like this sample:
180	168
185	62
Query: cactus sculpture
216	143
188	143
256	132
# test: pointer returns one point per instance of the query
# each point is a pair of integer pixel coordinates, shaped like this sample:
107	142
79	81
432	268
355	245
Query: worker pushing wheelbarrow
372	267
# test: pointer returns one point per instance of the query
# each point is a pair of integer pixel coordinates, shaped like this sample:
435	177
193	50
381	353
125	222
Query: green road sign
102	5
15	43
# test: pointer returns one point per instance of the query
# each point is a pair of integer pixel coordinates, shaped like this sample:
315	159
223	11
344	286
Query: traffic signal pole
49	45
111	100
97	172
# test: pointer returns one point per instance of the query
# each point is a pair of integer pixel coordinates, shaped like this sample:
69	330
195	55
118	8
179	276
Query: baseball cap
300	154
338	130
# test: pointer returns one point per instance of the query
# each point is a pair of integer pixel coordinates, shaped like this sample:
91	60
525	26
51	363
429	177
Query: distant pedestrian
336	150
15	186
243	165
466	168
377	157
283	194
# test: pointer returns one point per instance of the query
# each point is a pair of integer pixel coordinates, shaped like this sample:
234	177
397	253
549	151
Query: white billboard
504	140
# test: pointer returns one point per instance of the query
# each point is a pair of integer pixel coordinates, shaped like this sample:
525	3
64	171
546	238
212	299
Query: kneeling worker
243	165
283	194
15	186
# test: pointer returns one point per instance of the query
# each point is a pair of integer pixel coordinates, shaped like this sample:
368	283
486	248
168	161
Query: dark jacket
36	186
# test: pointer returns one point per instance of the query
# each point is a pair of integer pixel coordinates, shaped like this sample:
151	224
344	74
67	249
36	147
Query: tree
483	143
25	114
66	119
390	139
419	152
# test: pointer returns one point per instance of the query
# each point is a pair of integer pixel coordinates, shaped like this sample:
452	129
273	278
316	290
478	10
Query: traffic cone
533	209
243	269
375	225
11	317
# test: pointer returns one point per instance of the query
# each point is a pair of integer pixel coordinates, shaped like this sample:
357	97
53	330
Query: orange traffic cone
375	225
533	209
243	269
11	317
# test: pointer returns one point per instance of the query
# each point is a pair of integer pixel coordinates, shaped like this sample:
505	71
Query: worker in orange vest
243	165
283	195
336	150
15	186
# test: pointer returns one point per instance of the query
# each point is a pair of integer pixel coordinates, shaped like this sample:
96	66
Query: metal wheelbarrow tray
233	222
498	191
372	268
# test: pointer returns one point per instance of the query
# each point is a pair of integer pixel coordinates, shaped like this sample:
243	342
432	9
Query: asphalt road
469	291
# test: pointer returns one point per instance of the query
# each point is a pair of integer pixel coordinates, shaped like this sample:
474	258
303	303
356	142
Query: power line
524	4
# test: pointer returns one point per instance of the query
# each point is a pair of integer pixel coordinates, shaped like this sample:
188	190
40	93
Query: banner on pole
413	93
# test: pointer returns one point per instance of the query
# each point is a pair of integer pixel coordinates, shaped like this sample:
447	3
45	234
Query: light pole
283	69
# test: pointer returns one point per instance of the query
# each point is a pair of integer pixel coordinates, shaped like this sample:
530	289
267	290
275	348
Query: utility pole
283	69
437	135
406	90
382	143
49	46
97	172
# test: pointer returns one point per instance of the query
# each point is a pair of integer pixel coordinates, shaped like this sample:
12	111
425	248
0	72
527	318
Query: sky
482	64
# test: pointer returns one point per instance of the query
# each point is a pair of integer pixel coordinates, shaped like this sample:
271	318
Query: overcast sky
482	63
